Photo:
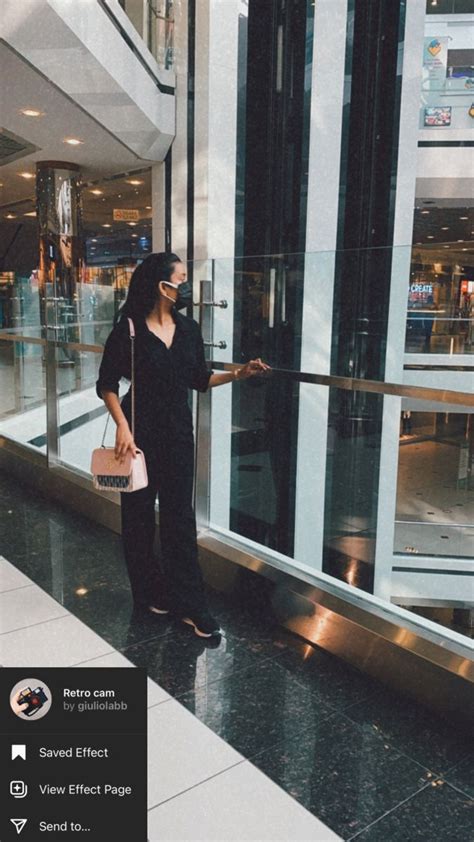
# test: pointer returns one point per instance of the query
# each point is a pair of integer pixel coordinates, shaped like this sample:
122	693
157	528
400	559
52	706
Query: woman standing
169	360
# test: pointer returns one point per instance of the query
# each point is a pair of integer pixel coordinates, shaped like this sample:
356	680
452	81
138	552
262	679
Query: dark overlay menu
73	748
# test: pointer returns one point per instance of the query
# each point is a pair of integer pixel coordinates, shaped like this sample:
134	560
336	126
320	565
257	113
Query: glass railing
428	333
154	22
283	290
368	482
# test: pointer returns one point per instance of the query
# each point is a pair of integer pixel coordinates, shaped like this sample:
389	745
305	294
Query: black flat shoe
203	623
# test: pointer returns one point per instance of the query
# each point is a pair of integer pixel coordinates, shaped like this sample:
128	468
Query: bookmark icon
19	824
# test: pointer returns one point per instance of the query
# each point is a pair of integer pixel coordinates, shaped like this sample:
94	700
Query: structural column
58	196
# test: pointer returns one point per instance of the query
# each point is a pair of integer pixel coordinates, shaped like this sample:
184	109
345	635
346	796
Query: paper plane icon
19	824
19	751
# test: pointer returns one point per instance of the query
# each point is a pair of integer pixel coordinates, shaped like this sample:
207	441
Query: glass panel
351	489
20	304
23	390
154	22
82	415
308	471
435	491
263	320
440	312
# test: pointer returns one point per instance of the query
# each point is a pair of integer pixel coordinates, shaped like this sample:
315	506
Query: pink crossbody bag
109	473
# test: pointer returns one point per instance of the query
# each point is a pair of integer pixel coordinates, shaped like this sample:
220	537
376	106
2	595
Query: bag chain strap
132	348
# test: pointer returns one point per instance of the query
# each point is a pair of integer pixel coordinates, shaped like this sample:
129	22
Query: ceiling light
73	141
30	213
134	181
148	207
10	216
106	225
97	192
463	217
81	591
463	249
425	211
31	112
93	241
430	237
460	241
132	224
27	174
134	235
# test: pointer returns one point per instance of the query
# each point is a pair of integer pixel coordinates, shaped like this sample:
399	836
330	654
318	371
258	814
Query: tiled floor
345	754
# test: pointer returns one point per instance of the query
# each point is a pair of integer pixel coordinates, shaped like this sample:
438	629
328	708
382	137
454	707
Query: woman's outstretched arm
250	369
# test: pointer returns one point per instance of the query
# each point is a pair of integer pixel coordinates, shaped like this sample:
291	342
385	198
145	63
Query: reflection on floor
368	764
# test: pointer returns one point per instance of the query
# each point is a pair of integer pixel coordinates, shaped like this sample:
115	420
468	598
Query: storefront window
440	308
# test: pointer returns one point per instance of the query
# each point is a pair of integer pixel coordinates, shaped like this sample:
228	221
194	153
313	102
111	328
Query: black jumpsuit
164	431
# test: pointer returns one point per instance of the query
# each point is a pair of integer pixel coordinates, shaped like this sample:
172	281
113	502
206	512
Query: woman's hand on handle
252	368
124	441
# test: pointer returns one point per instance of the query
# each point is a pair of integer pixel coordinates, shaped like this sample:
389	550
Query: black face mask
185	294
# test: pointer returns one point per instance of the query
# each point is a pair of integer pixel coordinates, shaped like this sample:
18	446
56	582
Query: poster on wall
438	116
435	63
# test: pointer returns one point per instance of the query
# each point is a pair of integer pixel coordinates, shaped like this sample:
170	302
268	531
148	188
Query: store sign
435	63
439	116
425	289
126	215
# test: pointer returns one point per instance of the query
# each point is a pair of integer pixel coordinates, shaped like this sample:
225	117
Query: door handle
223	303
222	344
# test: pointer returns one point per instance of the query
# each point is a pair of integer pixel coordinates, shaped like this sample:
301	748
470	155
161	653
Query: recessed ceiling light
73	141
106	225
134	181
148	207
31	112
27	174
463	217
132	224
463	249
97	192
445	228
134	235
445	247
93	241
460	241
10	216
430	237
30	213
425	211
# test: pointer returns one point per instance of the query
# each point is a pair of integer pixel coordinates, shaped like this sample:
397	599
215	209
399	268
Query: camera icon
33	699
30	699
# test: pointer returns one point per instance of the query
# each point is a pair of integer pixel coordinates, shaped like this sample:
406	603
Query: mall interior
312	164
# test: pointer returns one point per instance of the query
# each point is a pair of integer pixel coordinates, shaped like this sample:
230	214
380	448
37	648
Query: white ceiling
100	155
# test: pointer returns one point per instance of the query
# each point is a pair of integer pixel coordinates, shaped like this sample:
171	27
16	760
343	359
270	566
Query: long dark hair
144	283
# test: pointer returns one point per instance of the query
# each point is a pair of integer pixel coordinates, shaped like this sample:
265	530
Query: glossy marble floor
340	755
